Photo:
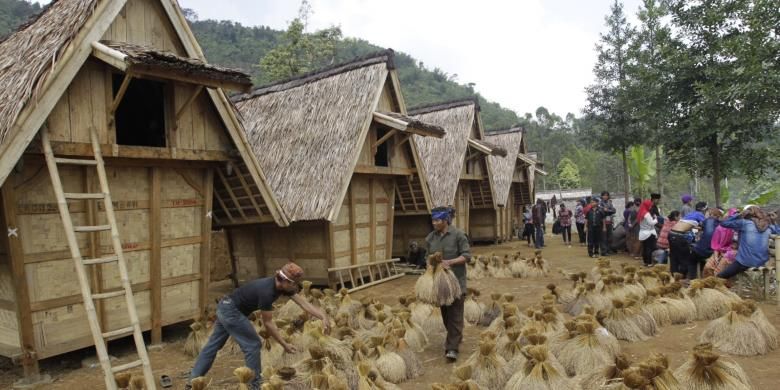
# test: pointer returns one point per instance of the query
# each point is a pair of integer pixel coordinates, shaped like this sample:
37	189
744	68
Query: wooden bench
756	282
359	276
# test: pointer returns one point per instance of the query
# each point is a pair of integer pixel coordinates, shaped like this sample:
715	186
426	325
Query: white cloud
520	53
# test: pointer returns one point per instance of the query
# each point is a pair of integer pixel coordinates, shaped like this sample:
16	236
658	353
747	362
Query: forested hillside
15	12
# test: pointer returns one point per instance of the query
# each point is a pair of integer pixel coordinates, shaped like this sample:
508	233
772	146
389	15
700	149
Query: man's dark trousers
606	240
594	240
539	231
452	316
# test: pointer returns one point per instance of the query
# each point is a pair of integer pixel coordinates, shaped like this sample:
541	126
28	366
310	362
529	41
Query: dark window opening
382	156
140	117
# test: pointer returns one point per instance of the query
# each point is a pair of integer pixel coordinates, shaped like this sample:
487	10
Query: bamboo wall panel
219	266
408	228
9	328
483	224
245	241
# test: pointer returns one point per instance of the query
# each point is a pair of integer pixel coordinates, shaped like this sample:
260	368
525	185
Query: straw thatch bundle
414	335
122	379
539	372
602	264
658	310
472	309
390	365
200	383
649	278
437	286
305	369
642	317
609	377
682	310
474	270
414	367
492	310
337	350
465	381
537	266
736	333
443	174
365	375
245	375
584	352
564	297
348	305
656	370
705	370
271	351
288	378
587	296
622	322
767	329
487	367
710	301
196	339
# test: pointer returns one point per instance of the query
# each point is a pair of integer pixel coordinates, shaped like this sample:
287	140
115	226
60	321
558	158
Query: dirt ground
674	341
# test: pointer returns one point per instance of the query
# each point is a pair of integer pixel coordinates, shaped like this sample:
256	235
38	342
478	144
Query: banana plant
642	169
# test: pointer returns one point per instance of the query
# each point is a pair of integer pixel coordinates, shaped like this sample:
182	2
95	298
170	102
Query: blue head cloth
443	215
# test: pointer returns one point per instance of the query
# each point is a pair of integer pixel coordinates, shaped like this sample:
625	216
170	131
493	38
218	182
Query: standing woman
564	217
528	231
579	218
647	234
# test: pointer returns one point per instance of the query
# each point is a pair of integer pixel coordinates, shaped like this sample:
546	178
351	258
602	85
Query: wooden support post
233	260
372	220
118	98
155	254
16	255
352	227
390	224
205	243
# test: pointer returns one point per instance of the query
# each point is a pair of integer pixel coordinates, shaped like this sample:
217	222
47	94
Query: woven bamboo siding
408	228
483	224
59	321
219	267
301	242
246	242
9	327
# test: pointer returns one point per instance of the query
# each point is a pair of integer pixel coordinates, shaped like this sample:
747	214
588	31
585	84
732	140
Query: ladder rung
90	229
118	332
74	161
127	366
101	260
108	294
78	195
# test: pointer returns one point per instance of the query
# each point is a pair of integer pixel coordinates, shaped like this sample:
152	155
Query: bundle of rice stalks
656	370
474	270
539	372
737	334
622	322
641	317
271	351
472	309
200	383
649	278
492	310
348	305
504	270
705	370
767	329
537	266
287	378
682	310
658	309
390	365
586	295
245	375
414	336
197	338
564	297
315	364
609	377
122	379
364	382
414	367
584	352
465	381
338	351
710	303
487	366
509	345
632	287
437	286
494	265
601	264
137	382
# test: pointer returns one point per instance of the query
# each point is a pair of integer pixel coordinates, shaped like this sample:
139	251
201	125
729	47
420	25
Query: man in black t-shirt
232	319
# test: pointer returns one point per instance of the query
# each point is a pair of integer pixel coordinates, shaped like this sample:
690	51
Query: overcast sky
520	53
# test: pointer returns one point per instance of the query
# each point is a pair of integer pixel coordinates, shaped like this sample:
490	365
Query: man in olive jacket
454	247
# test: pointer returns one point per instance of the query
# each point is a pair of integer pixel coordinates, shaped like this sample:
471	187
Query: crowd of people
696	240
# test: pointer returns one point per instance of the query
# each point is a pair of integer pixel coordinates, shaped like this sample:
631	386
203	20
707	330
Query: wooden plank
21	292
96	271
367	285
155	254
246	188
400	198
374	170
230	193
136	22
390	225
414	198
205	245
329	244
137	152
79	95
372	219
352	228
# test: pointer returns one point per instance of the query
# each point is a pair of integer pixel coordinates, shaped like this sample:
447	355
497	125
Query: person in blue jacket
754	227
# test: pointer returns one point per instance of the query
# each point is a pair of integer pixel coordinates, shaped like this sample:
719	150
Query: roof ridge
513	129
441	106
386	55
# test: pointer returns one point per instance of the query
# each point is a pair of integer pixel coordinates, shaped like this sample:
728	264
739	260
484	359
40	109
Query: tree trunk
626	185
658	171
716	174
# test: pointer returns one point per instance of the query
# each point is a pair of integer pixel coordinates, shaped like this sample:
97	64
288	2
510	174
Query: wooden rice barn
131	73
523	190
503	170
456	170
335	146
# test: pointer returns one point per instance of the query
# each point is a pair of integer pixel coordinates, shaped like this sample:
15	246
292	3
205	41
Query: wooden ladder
117	258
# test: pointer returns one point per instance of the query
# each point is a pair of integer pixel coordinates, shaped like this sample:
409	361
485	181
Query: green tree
641	167
608	100
568	174
300	52
726	86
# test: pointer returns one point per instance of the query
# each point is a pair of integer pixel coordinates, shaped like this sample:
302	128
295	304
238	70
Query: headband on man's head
442	214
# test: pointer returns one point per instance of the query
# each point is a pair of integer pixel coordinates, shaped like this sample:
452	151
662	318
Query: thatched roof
306	133
143	58
29	54
502	168
442	159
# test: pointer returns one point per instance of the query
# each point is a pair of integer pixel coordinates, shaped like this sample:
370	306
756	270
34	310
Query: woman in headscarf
647	233
722	252
754	227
